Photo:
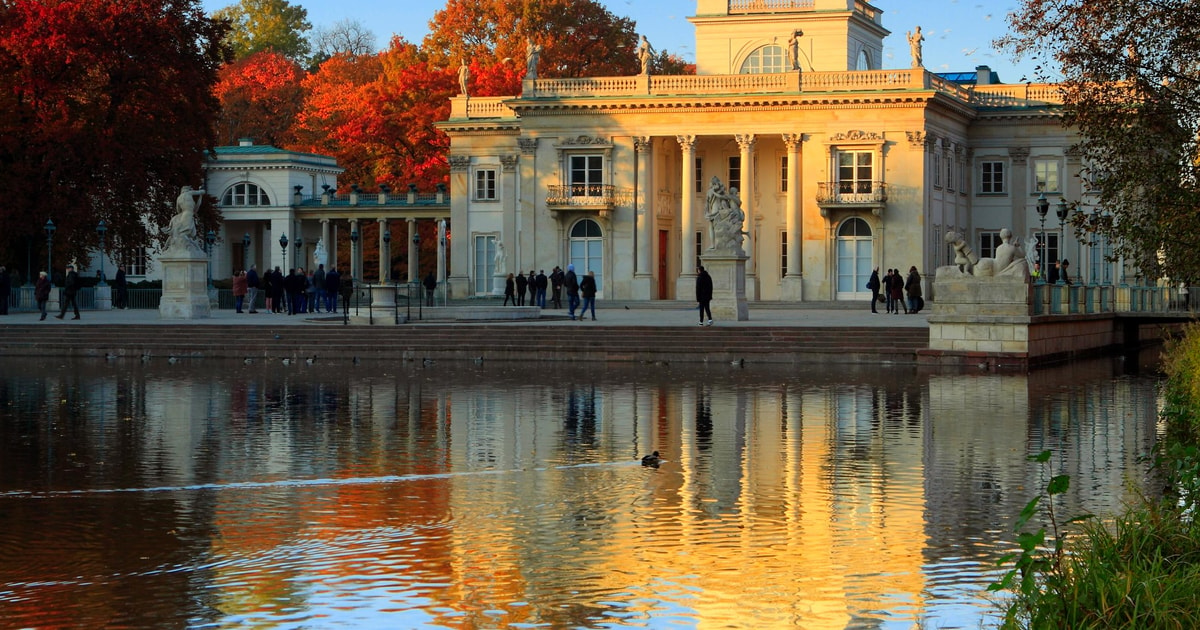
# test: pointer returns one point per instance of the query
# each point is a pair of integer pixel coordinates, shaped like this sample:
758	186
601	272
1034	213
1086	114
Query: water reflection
214	495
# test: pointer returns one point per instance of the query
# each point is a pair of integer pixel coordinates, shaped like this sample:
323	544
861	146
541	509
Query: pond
211	494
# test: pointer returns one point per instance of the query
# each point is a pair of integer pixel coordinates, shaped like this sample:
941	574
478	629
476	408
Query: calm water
221	495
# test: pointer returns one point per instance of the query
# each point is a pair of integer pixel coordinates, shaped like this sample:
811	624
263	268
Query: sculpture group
1010	258
181	232
726	218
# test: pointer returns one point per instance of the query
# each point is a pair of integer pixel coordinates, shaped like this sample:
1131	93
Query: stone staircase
334	343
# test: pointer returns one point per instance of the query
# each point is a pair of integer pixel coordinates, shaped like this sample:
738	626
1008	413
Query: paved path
668	314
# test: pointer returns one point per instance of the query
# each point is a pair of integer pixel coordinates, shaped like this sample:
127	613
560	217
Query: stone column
1019	194
385	254
643	282
746	147
793	281
685	283
413	260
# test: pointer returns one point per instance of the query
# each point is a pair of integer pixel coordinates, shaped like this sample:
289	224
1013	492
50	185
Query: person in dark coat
704	292
556	285
122	287
5	290
587	289
521	282
873	285
70	288
897	292
541	282
912	287
571	283
333	284
41	293
531	286
430	284
510	290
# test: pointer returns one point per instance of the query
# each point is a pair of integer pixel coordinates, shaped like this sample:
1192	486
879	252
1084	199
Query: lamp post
385	261
416	240
101	229
210	239
50	250
1061	211
283	249
246	251
353	251
1043	206
298	252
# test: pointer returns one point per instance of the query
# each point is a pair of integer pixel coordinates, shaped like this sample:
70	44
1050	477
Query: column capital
459	163
916	139
1019	155
508	163
528	145
642	144
745	141
686	142
792	140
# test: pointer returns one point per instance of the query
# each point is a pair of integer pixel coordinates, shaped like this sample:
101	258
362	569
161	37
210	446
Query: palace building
842	166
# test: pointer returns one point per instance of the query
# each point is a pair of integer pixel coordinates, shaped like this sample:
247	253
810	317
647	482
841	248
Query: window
245	194
937	169
699	247
962	177
485	184
783	254
134	260
855	172
1045	173
988	242
991	178
950	171
864	60
587	175
699	175
1046	244
735	172
783	173
767	59
485	264
587	250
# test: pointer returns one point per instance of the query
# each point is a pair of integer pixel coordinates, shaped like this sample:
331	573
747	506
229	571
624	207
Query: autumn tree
258	25
579	38
260	97
1131	88
106	109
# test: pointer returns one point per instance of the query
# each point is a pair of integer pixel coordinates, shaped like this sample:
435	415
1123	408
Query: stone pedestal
383	297
498	284
185	288
792	289
104	298
979	315
644	287
728	273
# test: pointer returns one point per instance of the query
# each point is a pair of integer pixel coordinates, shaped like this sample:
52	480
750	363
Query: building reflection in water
199	494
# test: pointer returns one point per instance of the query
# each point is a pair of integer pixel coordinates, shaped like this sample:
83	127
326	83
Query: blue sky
958	33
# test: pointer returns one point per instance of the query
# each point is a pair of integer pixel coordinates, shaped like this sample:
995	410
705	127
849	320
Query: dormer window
245	194
766	60
864	60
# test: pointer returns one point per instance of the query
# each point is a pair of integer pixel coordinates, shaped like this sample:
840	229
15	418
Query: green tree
106	109
260	25
1130	86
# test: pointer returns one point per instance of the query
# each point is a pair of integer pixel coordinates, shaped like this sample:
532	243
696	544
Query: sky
958	33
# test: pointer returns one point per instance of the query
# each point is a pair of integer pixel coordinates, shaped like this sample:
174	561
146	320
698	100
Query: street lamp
1043	206
283	248
101	229
353	250
416	248
1061	211
50	250
210	238
246	251
299	253
385	264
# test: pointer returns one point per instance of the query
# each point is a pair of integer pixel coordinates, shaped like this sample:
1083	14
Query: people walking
70	288
521	282
556	284
704	291
430	284
571	283
873	285
239	290
587	289
510	290
41	293
912	287
252	283
121	287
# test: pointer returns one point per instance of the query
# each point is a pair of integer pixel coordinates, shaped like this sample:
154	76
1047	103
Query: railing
851	193
1072	299
773	6
583	195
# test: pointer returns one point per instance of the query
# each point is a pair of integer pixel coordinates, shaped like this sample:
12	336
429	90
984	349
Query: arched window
587	250
245	194
765	60
864	60
854	259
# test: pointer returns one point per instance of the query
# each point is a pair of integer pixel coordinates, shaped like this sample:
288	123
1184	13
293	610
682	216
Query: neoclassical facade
842	166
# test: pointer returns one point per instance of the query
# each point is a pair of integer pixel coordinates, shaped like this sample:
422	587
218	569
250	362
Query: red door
664	290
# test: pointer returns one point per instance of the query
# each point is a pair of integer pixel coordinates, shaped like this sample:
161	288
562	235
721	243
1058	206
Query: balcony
601	199
852	195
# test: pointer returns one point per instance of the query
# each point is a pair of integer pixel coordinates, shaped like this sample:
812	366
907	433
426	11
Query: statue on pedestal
915	38
182	239
726	217
533	50
500	260
319	253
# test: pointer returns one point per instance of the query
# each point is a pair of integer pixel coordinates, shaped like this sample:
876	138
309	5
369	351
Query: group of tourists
581	291
516	286
897	291
297	293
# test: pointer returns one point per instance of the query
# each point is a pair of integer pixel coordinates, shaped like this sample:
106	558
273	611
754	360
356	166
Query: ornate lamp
1043	206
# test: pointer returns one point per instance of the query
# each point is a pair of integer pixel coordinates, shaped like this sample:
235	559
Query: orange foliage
260	98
